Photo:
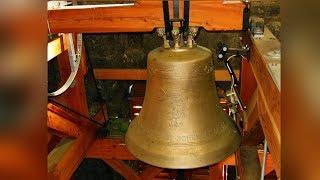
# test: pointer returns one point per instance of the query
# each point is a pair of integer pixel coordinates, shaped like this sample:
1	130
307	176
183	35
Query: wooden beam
141	74
144	16
110	148
248	164
56	47
115	148
62	125
122	168
266	70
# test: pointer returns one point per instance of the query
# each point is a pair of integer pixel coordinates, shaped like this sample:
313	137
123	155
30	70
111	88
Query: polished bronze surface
181	124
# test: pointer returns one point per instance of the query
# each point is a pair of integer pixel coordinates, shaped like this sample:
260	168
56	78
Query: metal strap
176	9
186	16
74	59
167	24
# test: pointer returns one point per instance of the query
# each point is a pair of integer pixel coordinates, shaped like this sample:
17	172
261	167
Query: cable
75	112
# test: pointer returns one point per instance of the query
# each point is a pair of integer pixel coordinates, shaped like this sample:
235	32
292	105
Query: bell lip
197	165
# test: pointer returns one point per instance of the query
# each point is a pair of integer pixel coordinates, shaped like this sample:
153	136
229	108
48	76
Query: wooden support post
144	16
216	172
248	165
141	74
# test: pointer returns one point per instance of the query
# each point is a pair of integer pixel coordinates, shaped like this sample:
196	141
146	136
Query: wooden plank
122	169
150	172
144	16
141	74
269	91
248	164
62	125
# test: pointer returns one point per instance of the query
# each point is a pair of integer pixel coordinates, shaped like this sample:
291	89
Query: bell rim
169	163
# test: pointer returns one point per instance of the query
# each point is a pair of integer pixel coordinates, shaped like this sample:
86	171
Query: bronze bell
181	124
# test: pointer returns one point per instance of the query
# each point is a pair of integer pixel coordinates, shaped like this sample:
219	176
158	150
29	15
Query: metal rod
264	159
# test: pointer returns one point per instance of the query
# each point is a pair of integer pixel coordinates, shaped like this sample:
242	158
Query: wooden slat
269	91
62	125
144	16
248	164
141	74
122	169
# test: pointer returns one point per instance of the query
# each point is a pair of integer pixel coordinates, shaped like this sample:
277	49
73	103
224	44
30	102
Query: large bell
181	124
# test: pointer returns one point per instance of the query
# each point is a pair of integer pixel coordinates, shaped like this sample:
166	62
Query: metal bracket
226	54
184	23
246	15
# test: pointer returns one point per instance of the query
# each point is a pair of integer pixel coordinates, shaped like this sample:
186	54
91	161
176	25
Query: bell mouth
180	156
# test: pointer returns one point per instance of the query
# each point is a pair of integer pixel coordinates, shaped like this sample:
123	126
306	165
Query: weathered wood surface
269	93
141	74
144	16
110	148
62	125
